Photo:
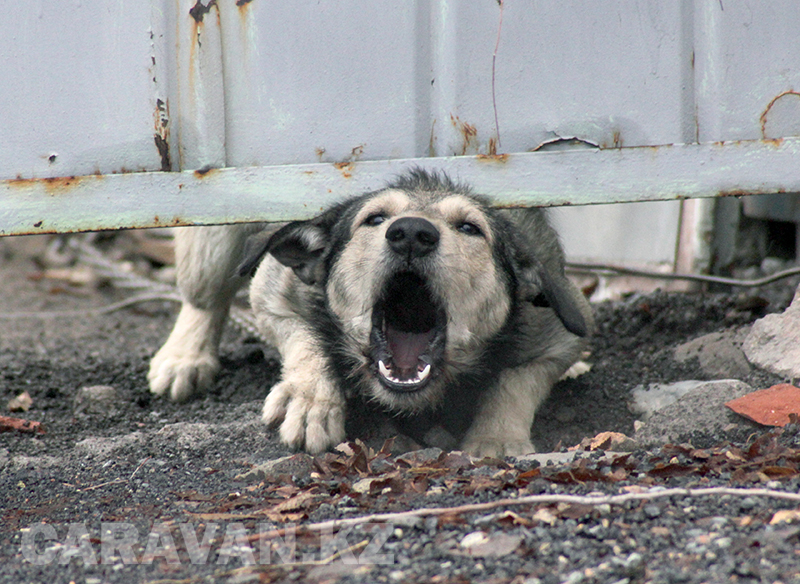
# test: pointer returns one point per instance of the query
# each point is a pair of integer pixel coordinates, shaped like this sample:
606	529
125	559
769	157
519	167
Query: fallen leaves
378	486
480	544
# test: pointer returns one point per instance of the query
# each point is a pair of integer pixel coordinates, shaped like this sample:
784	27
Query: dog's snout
412	237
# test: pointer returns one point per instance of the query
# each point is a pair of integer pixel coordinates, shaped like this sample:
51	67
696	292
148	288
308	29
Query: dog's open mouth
408	331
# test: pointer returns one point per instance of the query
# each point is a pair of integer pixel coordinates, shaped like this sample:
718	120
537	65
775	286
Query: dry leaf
785	516
300	501
495	545
545	515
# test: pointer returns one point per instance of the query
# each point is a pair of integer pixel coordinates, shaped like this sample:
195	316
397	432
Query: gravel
116	463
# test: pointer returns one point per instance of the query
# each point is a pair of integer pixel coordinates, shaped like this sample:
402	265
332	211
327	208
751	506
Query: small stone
566	415
652	511
96	400
300	464
720	354
21	403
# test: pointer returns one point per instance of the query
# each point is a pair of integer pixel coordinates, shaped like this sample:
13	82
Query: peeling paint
199	10
564	143
783	113
205	171
161	136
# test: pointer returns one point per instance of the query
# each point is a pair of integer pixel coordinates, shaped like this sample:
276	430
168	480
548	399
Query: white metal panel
265	83
372	80
747	59
310	81
394	79
79	87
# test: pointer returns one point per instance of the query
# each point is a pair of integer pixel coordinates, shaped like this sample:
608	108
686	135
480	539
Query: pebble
652	511
96	400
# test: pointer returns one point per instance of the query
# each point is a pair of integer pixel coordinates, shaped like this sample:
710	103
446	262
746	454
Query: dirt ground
121	456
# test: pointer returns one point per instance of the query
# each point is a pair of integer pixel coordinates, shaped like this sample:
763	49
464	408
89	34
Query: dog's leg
309	407
206	259
502	426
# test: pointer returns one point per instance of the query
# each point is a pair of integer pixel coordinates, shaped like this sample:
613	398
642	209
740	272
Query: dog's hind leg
206	258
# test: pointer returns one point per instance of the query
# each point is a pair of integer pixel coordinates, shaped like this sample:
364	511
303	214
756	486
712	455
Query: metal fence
176	112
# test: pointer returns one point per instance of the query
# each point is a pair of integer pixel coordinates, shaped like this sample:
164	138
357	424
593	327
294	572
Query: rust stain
320	152
53	186
205	171
493	157
744	193
199	10
432	141
468	132
772	102
345	168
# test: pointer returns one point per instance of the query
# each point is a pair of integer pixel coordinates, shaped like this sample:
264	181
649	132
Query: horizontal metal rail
280	193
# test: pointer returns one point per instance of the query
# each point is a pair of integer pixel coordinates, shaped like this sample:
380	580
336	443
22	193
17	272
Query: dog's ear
299	245
255	247
541	287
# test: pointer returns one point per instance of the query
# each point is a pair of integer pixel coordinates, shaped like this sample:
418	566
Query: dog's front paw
188	363
482	447
181	373
311	415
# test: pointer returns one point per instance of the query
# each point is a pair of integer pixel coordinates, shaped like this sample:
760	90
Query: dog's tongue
406	348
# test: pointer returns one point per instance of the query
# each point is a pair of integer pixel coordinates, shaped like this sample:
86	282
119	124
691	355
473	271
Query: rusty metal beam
278	193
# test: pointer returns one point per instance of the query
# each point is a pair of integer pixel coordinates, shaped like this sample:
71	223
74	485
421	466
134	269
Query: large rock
774	342
699	411
719	354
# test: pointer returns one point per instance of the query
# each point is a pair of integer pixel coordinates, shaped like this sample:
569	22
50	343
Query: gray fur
459	309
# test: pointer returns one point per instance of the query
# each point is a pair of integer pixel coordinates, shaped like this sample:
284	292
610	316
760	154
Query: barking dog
419	297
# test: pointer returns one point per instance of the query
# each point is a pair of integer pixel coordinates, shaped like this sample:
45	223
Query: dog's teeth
421	375
424	373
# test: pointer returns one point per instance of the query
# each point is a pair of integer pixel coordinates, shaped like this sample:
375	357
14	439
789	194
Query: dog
420	298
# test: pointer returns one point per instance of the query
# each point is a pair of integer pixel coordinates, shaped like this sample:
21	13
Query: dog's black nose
412	237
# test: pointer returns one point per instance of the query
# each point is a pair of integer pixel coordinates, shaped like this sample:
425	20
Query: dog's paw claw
181	375
483	448
311	420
